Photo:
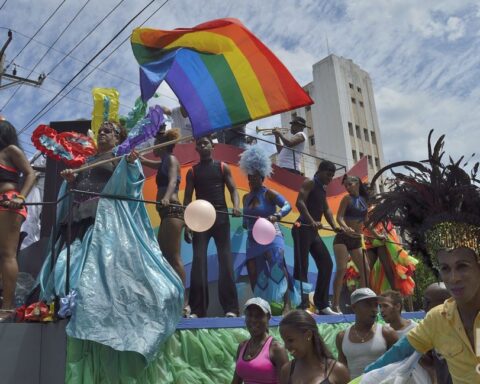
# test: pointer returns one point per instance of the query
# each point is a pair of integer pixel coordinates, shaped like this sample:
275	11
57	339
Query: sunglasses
108	130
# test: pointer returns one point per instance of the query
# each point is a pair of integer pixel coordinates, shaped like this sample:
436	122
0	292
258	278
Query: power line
76	87
44	110
86	36
79	60
46	53
38	31
5	2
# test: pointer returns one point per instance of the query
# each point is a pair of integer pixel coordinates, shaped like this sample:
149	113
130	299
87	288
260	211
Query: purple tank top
260	369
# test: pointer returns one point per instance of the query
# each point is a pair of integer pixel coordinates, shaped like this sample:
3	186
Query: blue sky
422	57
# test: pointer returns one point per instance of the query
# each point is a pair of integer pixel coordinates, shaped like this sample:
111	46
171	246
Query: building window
357	131
354	101
370	161
312	140
377	162
374	139
359	90
361	103
354	154
350	128
365	133
360	155
350	85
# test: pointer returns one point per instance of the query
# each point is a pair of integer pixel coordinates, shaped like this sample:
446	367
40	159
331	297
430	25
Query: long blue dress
273	279
128	295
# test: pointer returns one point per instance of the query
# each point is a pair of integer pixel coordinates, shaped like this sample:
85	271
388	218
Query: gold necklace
362	338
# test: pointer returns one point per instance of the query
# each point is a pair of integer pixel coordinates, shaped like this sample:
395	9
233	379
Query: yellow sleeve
421	336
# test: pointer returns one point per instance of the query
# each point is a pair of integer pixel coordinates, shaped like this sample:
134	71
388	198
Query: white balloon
200	215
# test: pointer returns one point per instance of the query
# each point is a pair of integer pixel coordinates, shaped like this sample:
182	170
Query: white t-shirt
178	121
285	157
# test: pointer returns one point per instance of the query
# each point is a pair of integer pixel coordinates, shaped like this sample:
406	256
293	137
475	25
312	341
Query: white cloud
421	56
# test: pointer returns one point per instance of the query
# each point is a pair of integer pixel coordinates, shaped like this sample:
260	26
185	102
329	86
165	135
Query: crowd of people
437	207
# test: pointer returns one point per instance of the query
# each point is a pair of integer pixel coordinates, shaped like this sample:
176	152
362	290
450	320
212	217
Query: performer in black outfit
209	178
312	205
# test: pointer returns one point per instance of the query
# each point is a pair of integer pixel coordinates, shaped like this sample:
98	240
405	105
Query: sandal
187	311
7	315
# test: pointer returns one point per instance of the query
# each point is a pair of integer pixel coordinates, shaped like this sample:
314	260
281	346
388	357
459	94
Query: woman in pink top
259	359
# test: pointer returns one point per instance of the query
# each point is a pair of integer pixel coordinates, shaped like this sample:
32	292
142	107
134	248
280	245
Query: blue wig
254	159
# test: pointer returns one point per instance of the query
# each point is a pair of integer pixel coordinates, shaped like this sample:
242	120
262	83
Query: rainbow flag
221	73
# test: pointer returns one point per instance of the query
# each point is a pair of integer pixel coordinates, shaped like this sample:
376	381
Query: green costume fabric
203	356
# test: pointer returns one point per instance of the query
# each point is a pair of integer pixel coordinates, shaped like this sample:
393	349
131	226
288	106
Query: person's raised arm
230	183
173	170
167	111
150	163
296	139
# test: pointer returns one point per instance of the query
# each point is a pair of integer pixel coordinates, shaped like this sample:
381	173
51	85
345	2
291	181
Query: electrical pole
13	78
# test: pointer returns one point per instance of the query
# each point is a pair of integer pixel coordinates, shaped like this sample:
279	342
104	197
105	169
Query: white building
343	119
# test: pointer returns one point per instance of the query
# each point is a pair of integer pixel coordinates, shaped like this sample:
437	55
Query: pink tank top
259	370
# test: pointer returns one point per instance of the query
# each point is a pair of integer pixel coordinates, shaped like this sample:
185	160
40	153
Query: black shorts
349	241
171	211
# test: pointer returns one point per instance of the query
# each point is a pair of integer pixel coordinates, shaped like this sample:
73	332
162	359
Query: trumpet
269	131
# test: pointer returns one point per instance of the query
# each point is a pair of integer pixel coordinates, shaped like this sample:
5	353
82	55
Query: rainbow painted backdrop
222	74
283	182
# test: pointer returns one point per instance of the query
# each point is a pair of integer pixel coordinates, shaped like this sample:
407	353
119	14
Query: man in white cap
366	340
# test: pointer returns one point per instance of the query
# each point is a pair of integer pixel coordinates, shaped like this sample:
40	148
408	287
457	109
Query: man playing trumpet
287	158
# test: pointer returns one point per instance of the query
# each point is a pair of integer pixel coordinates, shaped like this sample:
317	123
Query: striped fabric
221	73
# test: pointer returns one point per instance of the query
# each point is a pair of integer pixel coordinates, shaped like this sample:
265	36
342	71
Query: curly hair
302	321
165	136
254	159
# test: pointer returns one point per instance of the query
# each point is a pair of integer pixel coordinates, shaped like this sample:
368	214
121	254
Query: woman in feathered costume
266	266
438	209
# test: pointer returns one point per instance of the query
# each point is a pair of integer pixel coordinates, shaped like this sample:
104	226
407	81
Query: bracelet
278	215
19	196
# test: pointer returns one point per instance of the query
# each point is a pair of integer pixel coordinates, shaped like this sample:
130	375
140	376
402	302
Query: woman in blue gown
266	266
126	294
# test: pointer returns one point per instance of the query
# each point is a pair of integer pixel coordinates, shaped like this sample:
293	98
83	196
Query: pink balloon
200	215
263	231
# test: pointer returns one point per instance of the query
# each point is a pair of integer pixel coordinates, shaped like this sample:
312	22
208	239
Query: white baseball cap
362	294
259	302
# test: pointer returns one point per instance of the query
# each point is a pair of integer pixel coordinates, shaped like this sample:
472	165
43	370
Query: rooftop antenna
328	47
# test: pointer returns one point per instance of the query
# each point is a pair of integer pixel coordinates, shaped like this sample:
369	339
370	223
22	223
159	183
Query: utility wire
38	31
80	61
86	36
5	2
44	110
41	113
45	54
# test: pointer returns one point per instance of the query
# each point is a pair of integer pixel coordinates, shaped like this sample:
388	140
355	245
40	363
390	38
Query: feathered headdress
436	206
254	159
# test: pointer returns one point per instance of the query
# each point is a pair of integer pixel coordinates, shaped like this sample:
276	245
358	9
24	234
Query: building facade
343	120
